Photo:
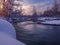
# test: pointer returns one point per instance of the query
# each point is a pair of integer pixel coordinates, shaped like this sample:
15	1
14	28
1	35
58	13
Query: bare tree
34	11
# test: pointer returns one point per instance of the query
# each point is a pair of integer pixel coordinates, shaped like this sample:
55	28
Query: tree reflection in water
35	34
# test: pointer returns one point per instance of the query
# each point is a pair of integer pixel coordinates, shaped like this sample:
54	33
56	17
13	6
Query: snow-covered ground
57	22
7	40
8	34
48	18
7	28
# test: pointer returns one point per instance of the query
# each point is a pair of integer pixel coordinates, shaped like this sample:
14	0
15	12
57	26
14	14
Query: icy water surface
38	34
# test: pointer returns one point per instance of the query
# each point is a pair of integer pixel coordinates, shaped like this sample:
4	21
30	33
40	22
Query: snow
52	22
7	40
8	34
7	28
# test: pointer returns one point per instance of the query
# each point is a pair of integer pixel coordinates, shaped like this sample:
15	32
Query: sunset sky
40	5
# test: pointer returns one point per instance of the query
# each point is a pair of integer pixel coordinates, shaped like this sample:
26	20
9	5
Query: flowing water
38	34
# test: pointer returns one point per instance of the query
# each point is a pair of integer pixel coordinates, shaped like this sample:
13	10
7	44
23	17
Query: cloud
36	4
40	6
42	9
27	10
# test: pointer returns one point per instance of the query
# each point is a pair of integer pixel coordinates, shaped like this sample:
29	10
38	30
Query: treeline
54	11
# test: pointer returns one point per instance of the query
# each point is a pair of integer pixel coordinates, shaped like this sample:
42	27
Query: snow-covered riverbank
54	22
8	34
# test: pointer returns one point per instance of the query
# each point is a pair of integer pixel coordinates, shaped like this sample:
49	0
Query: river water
38	34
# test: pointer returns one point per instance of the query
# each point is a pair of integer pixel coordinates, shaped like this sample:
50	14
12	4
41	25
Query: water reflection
31	26
36	34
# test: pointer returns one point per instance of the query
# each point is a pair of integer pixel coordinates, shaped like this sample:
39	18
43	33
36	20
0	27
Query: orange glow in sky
27	10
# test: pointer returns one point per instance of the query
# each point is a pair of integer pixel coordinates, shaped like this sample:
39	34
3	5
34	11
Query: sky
40	5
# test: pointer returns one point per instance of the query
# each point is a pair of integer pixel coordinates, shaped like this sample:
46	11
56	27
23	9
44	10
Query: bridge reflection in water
36	34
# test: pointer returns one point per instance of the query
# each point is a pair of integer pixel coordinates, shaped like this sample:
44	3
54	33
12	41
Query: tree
34	12
56	7
15	7
34	15
4	7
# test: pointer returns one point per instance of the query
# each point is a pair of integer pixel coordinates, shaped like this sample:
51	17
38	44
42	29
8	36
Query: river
38	34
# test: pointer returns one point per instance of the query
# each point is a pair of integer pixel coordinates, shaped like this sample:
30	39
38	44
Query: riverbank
37	34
